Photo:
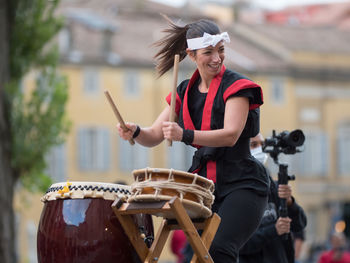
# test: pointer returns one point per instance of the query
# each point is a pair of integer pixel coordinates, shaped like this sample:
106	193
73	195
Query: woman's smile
210	60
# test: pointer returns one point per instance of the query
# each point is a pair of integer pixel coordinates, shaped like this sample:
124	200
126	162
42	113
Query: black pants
240	212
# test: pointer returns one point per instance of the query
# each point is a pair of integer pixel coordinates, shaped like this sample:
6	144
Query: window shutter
343	150
103	150
83	146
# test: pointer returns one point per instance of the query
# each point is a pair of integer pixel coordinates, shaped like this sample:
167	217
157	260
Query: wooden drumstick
117	114
173	93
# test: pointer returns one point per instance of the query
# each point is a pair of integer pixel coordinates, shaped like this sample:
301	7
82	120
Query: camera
285	142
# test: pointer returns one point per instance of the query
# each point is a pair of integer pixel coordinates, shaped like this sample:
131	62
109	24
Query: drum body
85	230
158	184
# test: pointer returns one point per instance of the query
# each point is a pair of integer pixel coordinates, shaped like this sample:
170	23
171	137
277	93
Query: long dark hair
175	41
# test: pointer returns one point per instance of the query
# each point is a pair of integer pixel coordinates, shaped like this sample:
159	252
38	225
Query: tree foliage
38	121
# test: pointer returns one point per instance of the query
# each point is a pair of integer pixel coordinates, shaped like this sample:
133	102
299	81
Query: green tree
29	125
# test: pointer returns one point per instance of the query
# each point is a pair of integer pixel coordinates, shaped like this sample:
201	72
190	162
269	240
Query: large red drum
78	225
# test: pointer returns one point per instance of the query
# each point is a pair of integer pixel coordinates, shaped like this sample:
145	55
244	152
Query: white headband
207	40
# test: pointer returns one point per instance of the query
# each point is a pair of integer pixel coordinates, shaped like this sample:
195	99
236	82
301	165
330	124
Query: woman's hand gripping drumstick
119	117
173	94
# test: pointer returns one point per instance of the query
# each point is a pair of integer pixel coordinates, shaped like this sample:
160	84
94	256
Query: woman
217	112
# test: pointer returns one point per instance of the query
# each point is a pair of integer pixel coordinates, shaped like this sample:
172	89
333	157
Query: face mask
259	154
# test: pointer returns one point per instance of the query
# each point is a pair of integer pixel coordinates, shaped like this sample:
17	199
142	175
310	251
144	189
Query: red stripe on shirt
188	124
211	170
208	106
206	117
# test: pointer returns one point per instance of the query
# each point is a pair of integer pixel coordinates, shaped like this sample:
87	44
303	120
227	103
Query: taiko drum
78	225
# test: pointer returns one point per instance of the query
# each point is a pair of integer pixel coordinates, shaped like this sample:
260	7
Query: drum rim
89	183
174	172
83	190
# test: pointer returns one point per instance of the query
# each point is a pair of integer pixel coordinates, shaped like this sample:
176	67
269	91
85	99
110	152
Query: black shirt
196	103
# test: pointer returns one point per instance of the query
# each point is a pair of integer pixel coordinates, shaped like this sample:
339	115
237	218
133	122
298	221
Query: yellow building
107	46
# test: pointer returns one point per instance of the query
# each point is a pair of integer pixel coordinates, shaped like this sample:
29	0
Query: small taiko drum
158	184
78	225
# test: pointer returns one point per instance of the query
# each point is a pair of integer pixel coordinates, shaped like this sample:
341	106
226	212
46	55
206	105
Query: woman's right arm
150	136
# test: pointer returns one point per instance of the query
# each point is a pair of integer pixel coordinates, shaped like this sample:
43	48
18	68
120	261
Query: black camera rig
287	143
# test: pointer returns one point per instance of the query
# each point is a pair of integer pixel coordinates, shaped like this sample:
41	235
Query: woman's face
209	60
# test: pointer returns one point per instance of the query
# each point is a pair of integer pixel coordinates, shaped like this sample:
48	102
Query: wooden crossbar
174	217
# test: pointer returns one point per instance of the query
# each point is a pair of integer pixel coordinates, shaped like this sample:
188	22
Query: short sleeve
178	102
248	89
180	92
299	235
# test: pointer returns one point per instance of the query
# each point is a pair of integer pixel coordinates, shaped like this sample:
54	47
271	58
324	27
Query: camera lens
293	139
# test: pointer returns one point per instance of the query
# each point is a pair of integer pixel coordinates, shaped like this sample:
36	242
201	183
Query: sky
268	4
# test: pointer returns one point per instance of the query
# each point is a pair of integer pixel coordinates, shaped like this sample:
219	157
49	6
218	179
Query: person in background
299	238
217	111
338	253
177	244
273	242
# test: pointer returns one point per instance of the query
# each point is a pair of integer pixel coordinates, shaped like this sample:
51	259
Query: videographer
273	242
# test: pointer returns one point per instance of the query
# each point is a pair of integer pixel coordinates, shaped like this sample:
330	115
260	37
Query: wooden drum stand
174	217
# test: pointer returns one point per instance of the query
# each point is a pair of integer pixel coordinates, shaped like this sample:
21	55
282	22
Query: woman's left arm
236	114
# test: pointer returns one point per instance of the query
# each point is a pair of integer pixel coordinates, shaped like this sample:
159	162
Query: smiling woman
217	111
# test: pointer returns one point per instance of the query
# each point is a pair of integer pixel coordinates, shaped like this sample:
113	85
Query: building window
180	156
343	150
277	91
64	40
57	163
288	159
91	81
310	115
94	149
132	157
132	83
107	42
313	220
313	160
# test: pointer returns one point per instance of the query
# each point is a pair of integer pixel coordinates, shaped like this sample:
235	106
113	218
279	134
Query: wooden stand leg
158	243
132	231
190	231
210	228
